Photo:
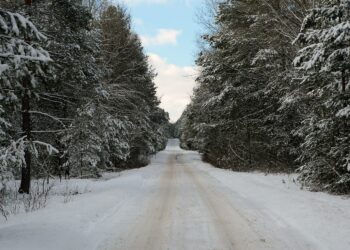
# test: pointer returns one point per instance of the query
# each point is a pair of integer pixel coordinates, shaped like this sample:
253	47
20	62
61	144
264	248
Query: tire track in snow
150	232
235	232
183	207
243	228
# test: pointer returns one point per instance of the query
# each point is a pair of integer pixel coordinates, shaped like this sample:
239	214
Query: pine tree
93	98
129	82
236	118
24	63
324	62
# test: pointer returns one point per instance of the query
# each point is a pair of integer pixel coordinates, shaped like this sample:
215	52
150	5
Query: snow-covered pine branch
324	62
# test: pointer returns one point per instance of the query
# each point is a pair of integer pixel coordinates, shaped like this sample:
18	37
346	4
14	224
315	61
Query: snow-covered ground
179	202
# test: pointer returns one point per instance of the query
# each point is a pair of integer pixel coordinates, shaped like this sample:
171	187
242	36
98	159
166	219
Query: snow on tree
74	48
94	139
19	58
233	117
93	98
129	83
324	62
23	63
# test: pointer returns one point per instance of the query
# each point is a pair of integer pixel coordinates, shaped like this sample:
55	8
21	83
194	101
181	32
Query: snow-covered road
179	202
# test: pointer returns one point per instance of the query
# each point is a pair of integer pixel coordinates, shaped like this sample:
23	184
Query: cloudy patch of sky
163	37
169	31
174	83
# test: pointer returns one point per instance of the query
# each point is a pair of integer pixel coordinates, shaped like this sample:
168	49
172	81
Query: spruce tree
324	64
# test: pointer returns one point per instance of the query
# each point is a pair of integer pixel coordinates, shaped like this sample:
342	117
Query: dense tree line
77	95
273	90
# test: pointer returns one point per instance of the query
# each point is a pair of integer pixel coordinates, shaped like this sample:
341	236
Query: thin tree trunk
26	128
343	81
249	145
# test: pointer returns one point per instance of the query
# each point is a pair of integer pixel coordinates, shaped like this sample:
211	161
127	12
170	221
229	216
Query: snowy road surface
179	202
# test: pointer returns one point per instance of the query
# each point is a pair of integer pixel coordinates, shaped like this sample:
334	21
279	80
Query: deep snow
179	202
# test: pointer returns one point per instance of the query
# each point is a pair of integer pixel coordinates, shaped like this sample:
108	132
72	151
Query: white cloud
175	85
164	36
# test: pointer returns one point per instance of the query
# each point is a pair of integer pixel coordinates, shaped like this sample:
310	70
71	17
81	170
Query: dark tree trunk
249	145
26	128
343	81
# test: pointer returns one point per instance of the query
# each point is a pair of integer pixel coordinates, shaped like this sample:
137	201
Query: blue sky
149	16
169	30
